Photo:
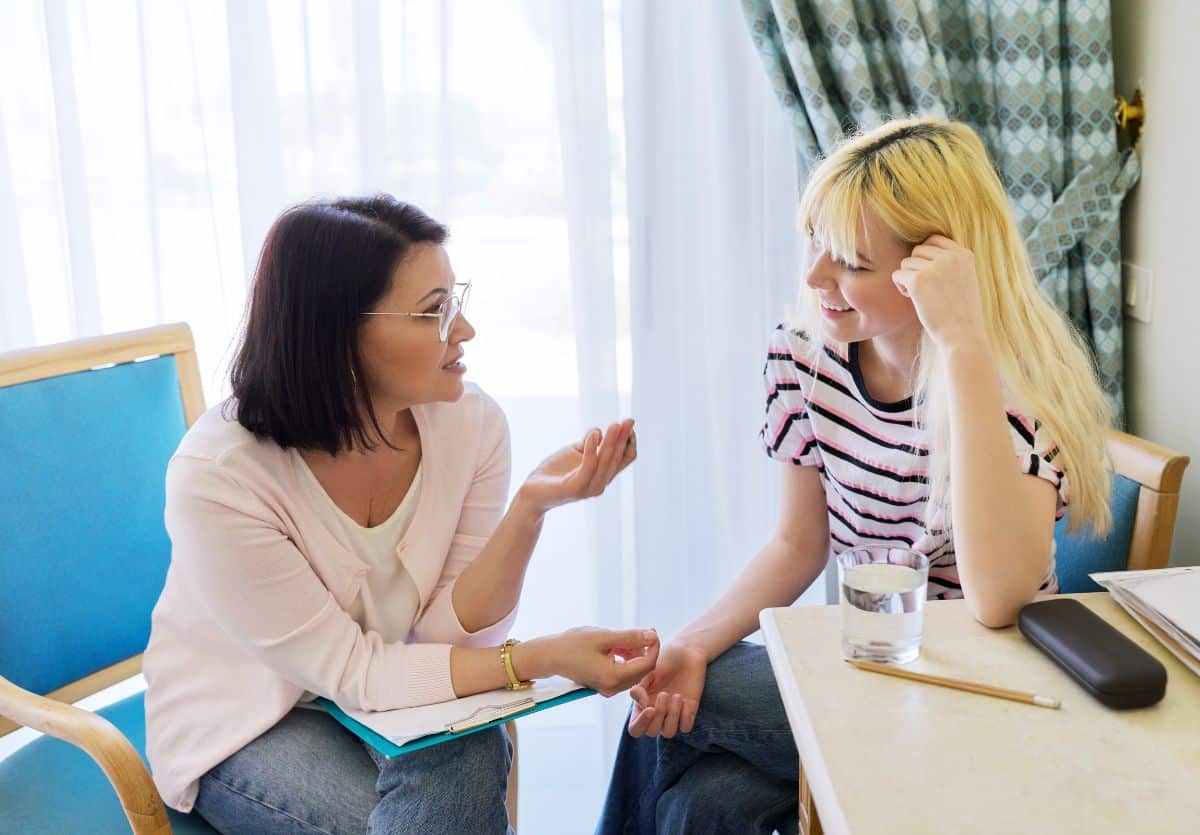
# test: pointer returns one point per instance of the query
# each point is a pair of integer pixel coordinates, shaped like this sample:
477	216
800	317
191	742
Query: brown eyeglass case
1115	670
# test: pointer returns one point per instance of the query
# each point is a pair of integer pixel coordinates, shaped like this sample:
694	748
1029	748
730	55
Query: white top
945	762
388	601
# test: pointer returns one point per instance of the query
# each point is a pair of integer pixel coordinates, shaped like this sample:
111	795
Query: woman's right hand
666	701
607	660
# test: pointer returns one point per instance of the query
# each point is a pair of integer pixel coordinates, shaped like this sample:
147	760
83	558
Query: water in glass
883	603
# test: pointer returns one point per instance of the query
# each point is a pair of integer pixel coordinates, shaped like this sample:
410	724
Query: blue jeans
308	774
736	772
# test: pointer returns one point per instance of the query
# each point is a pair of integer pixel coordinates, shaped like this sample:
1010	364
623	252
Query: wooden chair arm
1146	462
115	755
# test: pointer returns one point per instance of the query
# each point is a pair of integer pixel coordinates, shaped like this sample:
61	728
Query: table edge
833	819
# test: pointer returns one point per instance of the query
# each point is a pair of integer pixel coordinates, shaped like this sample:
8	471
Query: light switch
1139	291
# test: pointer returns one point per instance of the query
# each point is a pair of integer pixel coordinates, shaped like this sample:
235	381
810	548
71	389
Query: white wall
1155	47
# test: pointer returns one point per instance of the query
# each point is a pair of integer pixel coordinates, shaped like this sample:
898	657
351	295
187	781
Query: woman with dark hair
338	529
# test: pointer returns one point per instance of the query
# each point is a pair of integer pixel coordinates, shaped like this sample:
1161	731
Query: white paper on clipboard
404	725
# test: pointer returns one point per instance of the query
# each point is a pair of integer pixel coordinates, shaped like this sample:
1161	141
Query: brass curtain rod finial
1130	115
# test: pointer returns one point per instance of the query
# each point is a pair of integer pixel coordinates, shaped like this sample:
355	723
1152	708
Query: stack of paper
1166	602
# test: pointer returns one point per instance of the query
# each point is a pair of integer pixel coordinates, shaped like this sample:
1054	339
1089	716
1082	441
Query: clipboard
482	719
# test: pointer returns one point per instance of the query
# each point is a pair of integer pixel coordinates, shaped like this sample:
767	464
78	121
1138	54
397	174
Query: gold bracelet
514	683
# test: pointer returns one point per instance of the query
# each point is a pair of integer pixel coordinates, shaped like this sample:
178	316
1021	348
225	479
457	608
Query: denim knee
481	760
740	685
488	753
724	793
457	786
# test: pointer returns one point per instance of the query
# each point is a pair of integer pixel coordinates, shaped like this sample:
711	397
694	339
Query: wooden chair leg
511	802
810	824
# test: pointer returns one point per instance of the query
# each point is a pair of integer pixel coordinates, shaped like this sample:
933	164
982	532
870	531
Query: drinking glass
883	603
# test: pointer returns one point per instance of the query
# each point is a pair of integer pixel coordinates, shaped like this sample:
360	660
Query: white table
881	754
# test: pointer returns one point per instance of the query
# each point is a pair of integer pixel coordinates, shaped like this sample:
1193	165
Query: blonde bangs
830	214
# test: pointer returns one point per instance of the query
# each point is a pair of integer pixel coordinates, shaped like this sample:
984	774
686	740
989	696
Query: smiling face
403	358
859	301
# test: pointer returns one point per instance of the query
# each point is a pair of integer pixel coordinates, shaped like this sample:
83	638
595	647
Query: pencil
959	684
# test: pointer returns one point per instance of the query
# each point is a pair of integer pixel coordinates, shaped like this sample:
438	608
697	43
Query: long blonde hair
925	176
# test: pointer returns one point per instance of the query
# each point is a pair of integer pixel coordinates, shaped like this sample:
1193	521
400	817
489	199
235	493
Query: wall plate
1138	289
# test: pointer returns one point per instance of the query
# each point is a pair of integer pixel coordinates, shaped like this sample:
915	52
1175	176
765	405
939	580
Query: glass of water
883	603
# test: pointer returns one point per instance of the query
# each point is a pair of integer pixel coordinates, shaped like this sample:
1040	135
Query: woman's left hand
939	277
581	470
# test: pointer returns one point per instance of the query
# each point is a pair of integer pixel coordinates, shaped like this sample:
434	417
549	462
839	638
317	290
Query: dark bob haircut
297	376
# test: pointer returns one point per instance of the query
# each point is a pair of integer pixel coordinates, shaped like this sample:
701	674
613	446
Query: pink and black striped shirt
873	459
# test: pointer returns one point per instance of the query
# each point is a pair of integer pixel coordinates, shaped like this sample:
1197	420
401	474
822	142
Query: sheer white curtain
713	262
620	187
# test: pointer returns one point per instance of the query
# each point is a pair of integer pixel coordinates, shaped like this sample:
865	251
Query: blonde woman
927	396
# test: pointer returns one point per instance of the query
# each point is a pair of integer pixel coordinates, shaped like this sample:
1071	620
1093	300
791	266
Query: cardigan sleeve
240	565
482	510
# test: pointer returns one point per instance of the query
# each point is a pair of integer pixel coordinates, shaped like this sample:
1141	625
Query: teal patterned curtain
1034	78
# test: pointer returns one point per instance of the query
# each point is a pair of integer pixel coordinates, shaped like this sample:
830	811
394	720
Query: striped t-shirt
873	459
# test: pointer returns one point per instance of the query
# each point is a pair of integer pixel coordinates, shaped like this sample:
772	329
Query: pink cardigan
253	611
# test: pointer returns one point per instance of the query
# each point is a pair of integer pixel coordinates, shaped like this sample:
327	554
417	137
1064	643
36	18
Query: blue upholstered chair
1145	498
86	430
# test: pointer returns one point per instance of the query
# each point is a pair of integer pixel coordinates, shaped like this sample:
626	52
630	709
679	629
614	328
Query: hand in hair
581	470
939	277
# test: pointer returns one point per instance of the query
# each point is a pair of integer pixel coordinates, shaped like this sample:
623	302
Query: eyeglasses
446	312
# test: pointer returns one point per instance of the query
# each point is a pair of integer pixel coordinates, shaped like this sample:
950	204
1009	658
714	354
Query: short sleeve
787	432
1036	455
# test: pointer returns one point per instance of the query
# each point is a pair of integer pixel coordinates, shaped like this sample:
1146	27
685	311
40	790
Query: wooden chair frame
54	713
1159	471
